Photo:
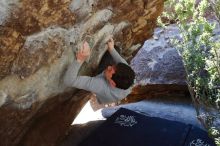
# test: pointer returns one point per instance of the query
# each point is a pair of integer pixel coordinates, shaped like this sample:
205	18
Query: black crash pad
128	128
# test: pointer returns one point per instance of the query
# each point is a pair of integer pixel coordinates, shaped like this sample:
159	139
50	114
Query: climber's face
109	71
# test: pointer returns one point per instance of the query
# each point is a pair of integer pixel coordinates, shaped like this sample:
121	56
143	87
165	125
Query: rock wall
38	40
159	68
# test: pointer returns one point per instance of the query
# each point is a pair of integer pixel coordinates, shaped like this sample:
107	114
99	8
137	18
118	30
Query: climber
112	85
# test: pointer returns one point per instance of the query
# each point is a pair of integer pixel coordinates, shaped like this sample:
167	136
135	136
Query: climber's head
121	75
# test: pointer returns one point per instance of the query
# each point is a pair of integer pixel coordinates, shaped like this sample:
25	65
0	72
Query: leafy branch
199	48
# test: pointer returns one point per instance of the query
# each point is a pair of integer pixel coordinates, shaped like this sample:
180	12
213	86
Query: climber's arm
117	58
82	82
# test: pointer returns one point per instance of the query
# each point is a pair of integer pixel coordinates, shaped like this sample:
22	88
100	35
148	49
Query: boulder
38	40
159	68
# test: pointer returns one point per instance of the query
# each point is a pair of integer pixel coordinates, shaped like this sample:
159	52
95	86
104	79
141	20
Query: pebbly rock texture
158	62
159	68
38	40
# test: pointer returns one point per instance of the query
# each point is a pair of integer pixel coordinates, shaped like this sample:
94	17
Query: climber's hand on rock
83	53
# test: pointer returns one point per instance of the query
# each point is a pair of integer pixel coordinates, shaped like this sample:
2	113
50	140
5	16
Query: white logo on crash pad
198	142
126	121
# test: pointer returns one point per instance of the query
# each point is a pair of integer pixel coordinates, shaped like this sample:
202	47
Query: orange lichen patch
10	43
141	14
123	9
147	22
129	11
33	15
140	92
29	61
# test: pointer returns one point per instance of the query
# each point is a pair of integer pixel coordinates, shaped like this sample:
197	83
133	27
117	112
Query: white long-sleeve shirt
98	84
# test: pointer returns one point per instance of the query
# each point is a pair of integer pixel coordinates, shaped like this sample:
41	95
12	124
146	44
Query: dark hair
123	76
107	60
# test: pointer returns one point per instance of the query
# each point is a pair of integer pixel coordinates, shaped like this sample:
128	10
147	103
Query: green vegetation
215	4
200	51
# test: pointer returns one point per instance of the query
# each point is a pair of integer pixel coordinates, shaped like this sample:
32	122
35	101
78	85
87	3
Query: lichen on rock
38	40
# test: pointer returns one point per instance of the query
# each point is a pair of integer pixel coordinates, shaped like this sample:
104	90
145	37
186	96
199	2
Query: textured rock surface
159	68
157	62
37	42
